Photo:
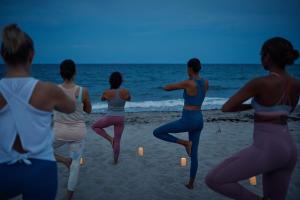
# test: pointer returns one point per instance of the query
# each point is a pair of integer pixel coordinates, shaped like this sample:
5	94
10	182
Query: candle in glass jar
81	161
141	151
183	162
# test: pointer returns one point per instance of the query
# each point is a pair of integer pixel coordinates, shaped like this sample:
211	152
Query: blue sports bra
199	98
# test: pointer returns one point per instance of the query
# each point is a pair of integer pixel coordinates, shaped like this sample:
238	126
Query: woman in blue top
27	164
191	121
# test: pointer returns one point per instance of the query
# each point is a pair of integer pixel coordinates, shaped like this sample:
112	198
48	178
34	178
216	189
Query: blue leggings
34	182
191	122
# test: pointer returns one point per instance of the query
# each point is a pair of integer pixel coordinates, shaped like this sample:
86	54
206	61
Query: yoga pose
27	163
116	98
273	152
70	129
191	121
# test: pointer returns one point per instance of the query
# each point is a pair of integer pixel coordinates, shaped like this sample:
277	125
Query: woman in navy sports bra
191	121
273	152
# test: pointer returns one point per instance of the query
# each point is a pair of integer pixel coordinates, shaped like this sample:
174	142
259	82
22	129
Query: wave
163	105
221	88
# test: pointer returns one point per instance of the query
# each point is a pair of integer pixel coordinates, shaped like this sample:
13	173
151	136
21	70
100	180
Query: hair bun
16	45
292	56
12	37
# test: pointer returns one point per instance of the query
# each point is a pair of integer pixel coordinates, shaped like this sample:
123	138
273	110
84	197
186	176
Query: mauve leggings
272	154
106	121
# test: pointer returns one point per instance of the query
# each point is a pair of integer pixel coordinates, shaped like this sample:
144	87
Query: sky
152	31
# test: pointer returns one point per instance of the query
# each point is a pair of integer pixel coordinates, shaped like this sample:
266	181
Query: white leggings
75	153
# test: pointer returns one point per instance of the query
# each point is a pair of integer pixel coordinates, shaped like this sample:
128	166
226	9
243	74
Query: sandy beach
158	174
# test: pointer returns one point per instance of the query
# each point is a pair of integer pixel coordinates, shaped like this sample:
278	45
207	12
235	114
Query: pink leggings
272	154
106	121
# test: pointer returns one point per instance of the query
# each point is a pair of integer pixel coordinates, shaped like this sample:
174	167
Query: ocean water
145	82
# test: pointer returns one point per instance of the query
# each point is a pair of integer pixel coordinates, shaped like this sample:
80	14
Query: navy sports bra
199	98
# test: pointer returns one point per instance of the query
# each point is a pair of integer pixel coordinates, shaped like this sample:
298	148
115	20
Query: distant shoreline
215	115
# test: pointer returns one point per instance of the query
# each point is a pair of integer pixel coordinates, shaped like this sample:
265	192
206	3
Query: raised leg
99	126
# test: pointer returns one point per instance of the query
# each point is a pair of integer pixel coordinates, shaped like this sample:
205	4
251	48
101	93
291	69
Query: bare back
110	94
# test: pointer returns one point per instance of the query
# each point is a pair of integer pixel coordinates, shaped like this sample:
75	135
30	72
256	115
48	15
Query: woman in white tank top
27	164
70	129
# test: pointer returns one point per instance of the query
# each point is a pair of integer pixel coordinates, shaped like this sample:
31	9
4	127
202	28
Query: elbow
87	108
166	88
226	108
88	111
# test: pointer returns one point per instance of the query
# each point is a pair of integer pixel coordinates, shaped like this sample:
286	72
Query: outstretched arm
236	102
177	86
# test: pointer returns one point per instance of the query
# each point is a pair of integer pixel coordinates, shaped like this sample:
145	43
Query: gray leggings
272	154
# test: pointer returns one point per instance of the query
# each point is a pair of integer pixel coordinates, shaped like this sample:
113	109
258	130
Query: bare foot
115	162
189	186
188	148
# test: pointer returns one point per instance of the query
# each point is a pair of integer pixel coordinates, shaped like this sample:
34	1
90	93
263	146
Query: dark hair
67	69
280	50
195	64
16	45
115	80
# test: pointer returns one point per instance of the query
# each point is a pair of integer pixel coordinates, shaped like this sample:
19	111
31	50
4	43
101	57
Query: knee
116	144
93	126
156	133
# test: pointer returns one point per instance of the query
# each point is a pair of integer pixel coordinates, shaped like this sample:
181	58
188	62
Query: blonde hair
16	45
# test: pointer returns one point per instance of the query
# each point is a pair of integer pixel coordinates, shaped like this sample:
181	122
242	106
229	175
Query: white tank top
18	117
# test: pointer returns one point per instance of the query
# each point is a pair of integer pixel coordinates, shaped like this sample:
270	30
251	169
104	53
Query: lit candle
81	161
141	151
183	162
252	180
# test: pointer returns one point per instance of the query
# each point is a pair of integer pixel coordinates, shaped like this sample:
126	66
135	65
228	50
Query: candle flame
81	161
252	180
183	162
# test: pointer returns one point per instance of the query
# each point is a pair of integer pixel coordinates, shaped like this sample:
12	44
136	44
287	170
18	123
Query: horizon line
142	63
